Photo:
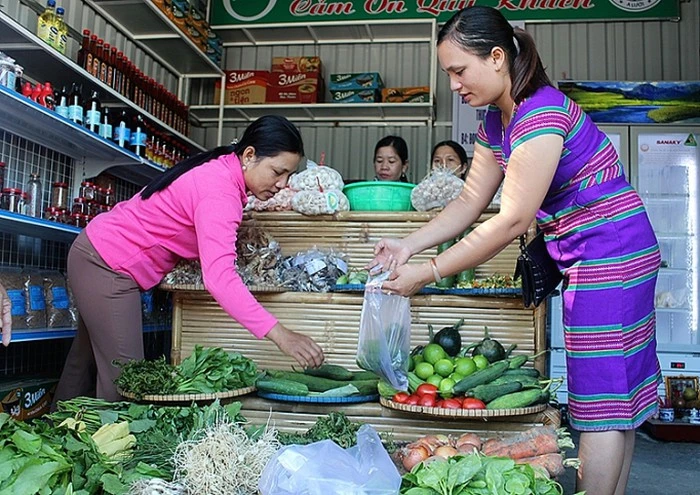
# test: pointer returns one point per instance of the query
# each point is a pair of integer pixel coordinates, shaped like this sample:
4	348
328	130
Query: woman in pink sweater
191	211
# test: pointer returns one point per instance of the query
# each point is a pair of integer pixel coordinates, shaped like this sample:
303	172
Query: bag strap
523	244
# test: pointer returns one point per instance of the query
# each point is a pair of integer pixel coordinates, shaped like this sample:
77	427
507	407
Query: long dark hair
396	142
270	135
479	29
457	148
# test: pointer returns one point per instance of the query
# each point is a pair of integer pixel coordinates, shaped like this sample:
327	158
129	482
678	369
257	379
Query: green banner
231	12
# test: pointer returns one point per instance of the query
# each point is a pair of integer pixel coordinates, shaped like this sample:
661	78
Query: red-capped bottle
90	55
84	48
104	61
97	58
110	66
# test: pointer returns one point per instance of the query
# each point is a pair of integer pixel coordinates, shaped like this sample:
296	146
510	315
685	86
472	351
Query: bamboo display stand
333	321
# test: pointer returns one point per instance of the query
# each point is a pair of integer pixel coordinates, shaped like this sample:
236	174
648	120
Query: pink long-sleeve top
196	216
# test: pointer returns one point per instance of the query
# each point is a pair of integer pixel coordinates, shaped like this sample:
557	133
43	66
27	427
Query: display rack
43	63
66	332
15	223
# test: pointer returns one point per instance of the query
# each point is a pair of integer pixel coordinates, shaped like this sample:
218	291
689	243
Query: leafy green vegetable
142	377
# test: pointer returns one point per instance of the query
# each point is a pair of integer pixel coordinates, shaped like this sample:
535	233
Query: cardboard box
296	64
243	87
365	80
415	94
27	398
355	96
294	87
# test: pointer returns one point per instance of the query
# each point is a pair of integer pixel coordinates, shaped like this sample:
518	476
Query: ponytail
526	70
269	135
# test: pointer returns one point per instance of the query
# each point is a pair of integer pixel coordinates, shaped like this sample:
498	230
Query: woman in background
449	154
192	211
391	159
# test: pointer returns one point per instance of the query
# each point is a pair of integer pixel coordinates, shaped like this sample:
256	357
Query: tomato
427	400
400	397
470	403
426	389
412	400
452	404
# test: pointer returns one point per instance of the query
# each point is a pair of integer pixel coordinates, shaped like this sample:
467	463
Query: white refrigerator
662	162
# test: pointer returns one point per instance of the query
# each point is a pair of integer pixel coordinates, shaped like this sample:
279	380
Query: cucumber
367	387
517	361
332	371
489	392
413	382
523	371
314	383
281	386
480	377
515	400
386	390
364	375
524	380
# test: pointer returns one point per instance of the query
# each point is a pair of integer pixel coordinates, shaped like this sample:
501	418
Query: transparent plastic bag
310	202
385	334
365	469
317	177
435	191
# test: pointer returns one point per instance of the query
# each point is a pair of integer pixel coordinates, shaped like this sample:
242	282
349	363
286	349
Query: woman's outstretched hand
406	280
304	350
389	254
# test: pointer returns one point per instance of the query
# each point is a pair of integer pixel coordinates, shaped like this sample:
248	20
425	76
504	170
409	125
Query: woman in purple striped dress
558	167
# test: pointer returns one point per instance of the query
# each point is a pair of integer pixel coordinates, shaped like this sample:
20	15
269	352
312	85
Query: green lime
446	386
456	377
480	361
444	367
433	353
434	380
418	358
465	366
424	370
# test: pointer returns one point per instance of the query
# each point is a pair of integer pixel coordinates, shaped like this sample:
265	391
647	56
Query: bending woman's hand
6	308
301	348
406	280
389	254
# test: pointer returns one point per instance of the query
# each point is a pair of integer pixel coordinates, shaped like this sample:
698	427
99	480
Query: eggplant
448	338
490	348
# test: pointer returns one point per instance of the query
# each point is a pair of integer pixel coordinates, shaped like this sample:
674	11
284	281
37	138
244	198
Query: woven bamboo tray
201	288
188	398
463	413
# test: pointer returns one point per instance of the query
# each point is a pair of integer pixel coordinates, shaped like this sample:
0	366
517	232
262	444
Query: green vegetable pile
206	370
477	475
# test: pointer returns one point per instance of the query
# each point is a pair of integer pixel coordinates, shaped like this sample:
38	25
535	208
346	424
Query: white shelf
27	119
43	63
151	29
338	113
14	223
320	33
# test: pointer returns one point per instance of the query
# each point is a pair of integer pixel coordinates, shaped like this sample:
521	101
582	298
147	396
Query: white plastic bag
315	178
310	202
324	468
385	334
435	191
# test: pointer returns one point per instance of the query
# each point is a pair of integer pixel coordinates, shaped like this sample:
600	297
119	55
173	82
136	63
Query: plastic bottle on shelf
27	89
90	55
36	92
106	124
122	131
118	81
75	108
138	137
97	58
46	22
84	48
93	112
62	103
62	31
34	199
111	66
104	62
46	97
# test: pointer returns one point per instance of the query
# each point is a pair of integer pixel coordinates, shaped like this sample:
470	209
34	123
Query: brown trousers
109	327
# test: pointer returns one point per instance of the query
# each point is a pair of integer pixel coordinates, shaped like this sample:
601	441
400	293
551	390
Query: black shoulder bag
540	274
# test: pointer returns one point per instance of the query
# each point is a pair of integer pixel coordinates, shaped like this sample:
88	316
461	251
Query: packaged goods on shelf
296	64
355	96
294	87
243	87
414	94
27	398
356	81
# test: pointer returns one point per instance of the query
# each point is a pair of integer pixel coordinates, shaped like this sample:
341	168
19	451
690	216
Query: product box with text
365	80
243	87
27	398
296	64
355	96
417	94
295	87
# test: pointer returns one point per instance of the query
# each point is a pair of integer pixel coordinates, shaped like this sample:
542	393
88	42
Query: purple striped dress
598	232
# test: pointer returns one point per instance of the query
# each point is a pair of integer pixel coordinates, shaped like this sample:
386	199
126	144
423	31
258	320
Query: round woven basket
462	413
188	398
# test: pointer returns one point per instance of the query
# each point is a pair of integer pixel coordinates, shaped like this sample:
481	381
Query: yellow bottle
46	24
62	28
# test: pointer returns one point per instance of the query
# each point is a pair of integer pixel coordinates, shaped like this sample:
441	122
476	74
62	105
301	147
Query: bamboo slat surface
404	426
333	320
356	233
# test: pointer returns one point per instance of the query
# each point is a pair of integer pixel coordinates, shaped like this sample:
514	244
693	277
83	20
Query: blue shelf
14	223
66	333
